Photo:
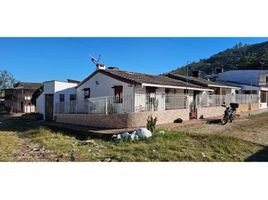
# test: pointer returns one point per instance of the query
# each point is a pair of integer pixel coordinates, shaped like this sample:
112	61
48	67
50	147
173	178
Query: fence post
197	101
188	102
106	105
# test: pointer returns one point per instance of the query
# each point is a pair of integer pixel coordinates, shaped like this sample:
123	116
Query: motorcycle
229	113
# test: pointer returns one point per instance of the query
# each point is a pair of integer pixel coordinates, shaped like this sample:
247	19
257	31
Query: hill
240	57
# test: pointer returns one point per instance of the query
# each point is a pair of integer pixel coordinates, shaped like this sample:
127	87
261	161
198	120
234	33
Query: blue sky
42	59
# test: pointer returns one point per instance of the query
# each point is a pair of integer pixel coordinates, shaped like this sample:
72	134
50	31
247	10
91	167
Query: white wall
56	88
40	104
263	105
101	85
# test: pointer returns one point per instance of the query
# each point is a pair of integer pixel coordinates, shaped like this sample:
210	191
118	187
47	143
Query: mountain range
239	57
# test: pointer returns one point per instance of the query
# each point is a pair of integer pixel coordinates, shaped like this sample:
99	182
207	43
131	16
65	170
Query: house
18	98
217	87
114	98
250	82
114	91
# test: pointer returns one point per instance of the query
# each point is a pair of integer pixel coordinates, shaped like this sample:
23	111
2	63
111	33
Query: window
72	103
118	94
151	94
72	97
263	97
263	79
87	93
167	91
150	91
62	97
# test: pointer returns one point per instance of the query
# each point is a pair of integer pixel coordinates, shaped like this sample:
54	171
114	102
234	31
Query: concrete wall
248	107
263	105
207	112
127	120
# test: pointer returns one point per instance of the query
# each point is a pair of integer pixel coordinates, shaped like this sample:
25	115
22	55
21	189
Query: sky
43	59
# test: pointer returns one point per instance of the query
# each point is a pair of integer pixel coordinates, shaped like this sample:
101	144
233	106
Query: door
49	107
21	106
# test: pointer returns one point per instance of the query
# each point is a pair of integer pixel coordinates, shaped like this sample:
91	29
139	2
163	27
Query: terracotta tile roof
141	78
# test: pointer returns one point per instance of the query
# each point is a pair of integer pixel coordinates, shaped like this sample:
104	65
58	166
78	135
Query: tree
36	94
7	80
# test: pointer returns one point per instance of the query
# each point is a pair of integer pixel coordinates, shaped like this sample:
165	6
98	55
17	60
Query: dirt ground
253	128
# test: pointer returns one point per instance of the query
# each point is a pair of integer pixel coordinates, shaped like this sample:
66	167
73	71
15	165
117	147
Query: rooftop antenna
94	60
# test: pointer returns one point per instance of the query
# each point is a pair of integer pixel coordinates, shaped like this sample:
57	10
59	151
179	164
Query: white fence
153	102
218	100
125	104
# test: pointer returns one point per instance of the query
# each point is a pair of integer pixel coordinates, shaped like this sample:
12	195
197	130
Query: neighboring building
218	88
18	98
250	82
54	93
2	104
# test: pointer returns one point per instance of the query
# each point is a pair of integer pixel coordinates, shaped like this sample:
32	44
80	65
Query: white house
113	98
115	91
250	82
135	92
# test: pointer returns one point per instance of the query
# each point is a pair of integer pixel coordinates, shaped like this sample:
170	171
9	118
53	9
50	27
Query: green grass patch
9	145
172	146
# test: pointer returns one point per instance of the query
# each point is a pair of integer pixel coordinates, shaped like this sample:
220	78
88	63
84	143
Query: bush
151	123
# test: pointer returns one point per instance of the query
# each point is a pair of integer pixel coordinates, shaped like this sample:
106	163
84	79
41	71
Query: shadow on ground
260	156
214	121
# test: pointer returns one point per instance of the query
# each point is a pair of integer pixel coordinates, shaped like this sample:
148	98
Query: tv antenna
94	60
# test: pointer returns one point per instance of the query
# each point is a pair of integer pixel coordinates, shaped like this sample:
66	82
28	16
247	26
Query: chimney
100	66
196	73
219	70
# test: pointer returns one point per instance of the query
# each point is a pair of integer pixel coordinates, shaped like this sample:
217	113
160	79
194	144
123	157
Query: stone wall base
126	120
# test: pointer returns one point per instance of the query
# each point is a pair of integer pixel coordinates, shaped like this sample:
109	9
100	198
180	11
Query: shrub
151	123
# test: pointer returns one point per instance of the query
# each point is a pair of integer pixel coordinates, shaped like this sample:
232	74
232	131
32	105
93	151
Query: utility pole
187	74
